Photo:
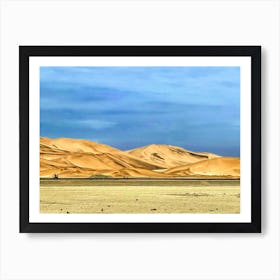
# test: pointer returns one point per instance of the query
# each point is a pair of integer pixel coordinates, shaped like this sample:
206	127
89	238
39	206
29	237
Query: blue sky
197	108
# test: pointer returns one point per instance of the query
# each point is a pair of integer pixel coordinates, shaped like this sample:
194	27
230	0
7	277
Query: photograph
140	139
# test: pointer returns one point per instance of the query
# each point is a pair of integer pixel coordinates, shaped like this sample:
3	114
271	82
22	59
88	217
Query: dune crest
69	158
77	145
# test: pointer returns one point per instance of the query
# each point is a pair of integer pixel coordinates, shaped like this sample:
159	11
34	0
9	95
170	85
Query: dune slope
168	156
222	167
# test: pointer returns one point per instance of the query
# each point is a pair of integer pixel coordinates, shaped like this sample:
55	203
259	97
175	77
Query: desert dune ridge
75	158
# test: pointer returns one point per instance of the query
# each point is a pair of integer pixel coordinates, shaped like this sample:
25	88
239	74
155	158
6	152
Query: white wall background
146	256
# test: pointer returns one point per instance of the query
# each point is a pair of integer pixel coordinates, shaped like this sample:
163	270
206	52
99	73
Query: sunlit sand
140	196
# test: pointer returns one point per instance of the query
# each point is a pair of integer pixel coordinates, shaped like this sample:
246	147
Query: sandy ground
140	196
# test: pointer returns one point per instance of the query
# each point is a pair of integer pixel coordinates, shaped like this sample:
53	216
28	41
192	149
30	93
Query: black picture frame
25	52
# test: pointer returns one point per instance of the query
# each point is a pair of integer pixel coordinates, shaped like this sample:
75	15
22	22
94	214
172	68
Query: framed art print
140	138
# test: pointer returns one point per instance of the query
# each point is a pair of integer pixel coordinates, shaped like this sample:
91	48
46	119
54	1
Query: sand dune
168	156
82	158
79	158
